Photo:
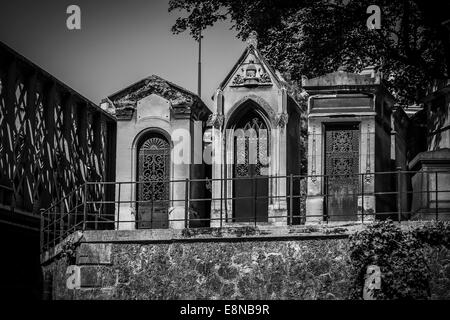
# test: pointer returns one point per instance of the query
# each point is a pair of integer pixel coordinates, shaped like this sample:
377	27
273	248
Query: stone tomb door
341	170
250	181
153	183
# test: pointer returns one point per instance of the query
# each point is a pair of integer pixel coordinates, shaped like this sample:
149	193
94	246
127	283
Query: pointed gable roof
154	84
257	61
182	100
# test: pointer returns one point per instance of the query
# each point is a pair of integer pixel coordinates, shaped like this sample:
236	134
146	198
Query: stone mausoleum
254	198
349	134
356	138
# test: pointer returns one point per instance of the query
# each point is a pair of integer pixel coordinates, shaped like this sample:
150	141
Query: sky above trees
120	43
313	37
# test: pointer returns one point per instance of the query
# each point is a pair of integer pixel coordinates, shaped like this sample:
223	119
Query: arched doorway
153	175
250	166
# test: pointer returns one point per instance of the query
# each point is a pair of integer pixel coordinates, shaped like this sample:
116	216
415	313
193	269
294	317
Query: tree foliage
400	256
314	37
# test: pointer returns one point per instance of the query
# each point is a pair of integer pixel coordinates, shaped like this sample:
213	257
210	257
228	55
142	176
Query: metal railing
399	195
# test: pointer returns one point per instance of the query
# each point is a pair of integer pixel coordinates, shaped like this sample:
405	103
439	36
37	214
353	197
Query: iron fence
399	195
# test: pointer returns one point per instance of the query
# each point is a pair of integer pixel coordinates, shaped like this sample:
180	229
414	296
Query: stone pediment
251	72
251	69
153	106
182	101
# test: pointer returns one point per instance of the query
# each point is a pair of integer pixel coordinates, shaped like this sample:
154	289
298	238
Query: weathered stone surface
306	269
277	269
94	253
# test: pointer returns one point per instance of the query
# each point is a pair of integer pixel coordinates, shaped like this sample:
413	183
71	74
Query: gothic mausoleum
136	182
180	165
270	160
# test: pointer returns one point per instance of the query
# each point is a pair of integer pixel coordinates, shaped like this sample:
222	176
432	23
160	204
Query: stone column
181	158
278	210
217	192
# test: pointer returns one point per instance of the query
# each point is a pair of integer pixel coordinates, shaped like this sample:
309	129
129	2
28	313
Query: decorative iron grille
254	140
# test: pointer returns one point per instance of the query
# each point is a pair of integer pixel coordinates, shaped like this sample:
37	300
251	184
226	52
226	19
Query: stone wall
295	266
309	269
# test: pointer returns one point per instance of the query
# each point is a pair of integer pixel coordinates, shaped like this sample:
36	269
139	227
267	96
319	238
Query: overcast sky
120	42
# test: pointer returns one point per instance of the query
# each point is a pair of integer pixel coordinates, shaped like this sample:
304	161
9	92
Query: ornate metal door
341	169
153	187
250	186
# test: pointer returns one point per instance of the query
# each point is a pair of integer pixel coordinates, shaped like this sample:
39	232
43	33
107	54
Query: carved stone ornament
216	120
238	79
281	120
252	39
265	78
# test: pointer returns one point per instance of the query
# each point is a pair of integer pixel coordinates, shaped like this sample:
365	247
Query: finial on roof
252	39
304	79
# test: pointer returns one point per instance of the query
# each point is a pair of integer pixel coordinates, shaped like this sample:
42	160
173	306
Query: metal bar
186	204
428	190
61	219
222	186
54	227
399	200
75	218
326	181
118	207
153	206
42	230
85	208
255	199
291	203
48	228
362	198
437	192
58	212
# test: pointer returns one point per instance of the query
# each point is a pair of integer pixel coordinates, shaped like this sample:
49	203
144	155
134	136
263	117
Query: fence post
326	180
54	224
255	199
222	191
85	206
75	218
96	213
152	213
118	207
362	198
48	228
437	192
61	220
186	205
399	200
291	192
42	230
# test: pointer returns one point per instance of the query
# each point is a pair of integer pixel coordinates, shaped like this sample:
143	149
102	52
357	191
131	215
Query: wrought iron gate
341	169
250	188
153	187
